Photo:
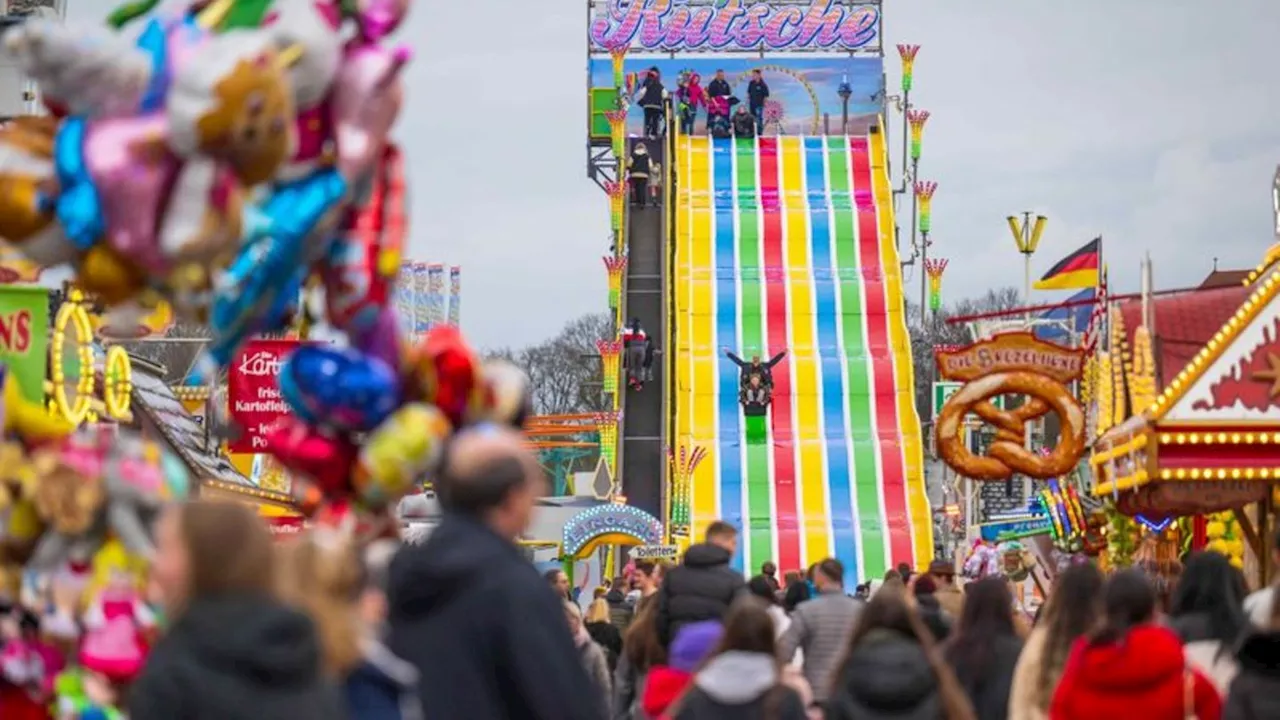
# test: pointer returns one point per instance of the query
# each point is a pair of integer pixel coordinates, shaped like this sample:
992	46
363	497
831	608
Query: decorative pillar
917	120
618	134
924	194
618	54
607	426
683	461
617	191
935	267
908	55
616	267
610	357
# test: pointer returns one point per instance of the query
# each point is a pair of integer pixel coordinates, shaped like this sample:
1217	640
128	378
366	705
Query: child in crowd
666	683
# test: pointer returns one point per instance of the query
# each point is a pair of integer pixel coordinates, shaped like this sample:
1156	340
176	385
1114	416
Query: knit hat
693	643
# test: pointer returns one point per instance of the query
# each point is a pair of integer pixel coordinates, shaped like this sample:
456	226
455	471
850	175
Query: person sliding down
755	367
634	342
755	397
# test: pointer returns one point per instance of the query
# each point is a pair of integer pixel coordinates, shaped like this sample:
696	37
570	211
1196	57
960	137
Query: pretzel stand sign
1016	363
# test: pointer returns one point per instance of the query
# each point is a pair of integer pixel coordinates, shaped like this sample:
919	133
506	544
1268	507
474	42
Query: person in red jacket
1132	667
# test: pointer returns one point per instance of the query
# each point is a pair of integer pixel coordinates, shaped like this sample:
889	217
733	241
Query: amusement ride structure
782	242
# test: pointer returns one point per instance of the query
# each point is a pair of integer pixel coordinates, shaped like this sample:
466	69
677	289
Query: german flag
1077	270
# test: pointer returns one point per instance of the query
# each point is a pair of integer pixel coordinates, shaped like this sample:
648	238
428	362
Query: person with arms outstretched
755	367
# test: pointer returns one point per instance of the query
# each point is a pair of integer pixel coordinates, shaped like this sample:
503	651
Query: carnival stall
1198	436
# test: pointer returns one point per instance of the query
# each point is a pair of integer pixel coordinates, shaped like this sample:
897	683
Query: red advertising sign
253	393
287	526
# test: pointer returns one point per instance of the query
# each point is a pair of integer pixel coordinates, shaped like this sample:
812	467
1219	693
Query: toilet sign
654	552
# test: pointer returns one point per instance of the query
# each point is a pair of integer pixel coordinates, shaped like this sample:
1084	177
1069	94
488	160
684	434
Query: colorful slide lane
786	244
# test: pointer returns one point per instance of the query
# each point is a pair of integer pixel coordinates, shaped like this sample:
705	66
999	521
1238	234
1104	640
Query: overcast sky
1145	121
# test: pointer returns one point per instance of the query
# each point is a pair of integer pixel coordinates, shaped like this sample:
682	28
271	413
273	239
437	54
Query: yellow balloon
1237	563
1215	529
1219	546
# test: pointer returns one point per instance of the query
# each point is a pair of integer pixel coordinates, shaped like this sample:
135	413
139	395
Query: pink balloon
132	172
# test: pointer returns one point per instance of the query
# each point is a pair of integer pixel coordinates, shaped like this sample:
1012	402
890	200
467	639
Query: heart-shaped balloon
447	374
324	458
340	388
399	453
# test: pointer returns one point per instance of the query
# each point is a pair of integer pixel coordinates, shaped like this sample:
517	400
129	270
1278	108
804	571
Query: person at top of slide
756	367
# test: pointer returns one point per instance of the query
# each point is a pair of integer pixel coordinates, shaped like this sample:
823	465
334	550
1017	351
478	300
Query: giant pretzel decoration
1008	365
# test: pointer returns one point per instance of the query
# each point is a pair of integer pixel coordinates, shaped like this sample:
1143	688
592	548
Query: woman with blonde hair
232	650
600	627
342	588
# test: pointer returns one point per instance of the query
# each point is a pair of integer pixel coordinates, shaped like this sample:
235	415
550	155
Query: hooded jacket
744	124
702	588
486	634
738	685
1145	674
887	677
620	609
236	658
1255	693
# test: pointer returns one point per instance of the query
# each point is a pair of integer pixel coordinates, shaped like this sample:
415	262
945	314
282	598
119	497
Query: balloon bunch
141	177
77	509
336	209
365	429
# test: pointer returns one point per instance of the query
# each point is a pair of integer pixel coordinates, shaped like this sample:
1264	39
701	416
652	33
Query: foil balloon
323	458
398	454
446	373
340	388
143	185
507	397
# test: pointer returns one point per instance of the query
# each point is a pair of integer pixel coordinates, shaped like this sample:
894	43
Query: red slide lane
784	457
893	474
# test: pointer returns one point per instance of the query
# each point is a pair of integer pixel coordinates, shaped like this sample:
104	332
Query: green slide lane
751	317
856	357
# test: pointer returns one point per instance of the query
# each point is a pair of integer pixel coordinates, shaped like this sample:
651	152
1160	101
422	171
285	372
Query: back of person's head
723	534
987	616
487	473
640	642
829	574
924	585
322	574
768	568
1212	589
748	628
892	575
759	587
904	569
791	577
1072	610
693	643
598	611
1129	600
209	550
888	610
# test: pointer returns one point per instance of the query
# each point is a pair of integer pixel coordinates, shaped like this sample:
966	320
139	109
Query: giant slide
786	243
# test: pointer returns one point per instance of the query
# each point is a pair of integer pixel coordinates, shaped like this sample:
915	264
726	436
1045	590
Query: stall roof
1184	324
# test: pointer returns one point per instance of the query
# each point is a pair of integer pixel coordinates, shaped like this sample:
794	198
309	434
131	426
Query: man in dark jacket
484	631
703	586
638	168
620	608
719	87
757	94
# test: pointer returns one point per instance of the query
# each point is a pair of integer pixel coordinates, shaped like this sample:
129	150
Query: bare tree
565	370
930	331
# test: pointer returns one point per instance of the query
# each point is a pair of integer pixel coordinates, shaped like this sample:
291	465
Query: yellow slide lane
695	312
912	448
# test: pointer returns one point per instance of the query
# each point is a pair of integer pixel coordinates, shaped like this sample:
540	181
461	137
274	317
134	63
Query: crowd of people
462	626
716	100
